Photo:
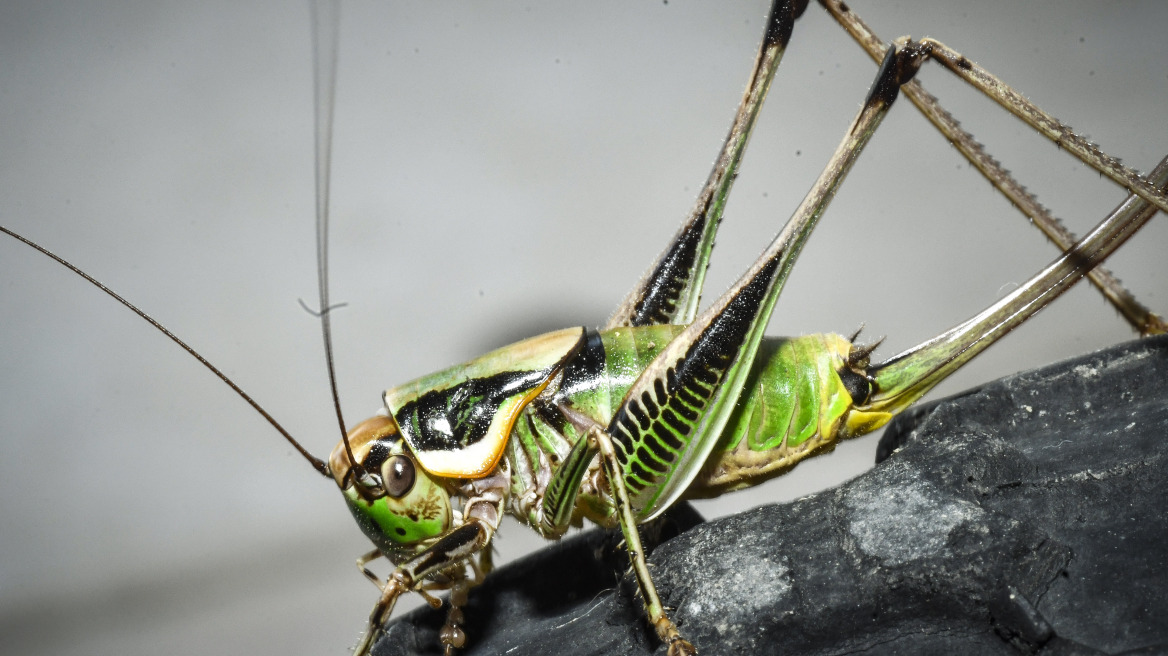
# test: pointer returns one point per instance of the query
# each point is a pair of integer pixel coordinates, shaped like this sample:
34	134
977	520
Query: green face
413	507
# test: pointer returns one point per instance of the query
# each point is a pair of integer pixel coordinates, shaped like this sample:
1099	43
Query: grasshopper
858	96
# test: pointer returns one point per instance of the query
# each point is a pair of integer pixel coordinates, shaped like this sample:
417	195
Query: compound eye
397	475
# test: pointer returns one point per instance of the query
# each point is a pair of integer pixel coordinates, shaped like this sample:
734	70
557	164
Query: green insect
614	425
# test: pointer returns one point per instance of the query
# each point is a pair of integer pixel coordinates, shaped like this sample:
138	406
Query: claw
667	632
397	585
681	647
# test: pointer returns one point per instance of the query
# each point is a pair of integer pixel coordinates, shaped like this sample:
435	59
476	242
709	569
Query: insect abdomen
791	407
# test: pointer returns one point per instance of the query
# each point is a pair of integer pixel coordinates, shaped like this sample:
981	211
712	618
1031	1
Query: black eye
397	476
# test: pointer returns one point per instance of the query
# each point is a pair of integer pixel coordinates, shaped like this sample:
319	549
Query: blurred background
500	170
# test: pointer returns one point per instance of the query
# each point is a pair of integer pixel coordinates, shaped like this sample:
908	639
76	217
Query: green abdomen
792	407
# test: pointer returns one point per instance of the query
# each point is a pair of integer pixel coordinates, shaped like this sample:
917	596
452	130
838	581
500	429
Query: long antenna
325	36
325	31
317	463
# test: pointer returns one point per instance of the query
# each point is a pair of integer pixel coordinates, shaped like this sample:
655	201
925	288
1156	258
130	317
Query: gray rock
1024	516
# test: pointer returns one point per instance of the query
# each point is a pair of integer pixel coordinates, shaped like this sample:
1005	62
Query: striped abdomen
793	406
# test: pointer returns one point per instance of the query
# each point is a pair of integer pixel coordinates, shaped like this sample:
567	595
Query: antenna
317	464
325	36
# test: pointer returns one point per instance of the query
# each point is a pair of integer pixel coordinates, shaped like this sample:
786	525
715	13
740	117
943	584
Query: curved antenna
325	36
317	464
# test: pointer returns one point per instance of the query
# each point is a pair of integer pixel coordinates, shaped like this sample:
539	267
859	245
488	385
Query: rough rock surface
1024	516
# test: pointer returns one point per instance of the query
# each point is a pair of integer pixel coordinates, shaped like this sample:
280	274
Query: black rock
1029	515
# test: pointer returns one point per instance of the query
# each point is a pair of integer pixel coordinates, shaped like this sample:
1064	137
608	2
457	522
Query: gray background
500	170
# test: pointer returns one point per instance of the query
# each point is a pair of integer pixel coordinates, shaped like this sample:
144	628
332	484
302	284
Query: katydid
568	352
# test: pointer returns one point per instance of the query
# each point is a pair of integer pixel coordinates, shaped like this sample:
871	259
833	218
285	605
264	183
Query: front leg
452	636
449	551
